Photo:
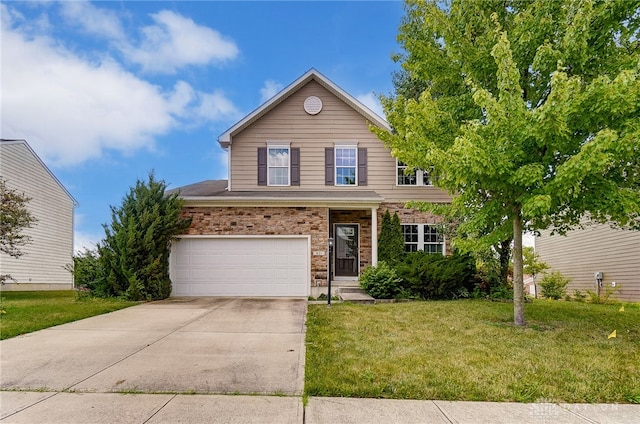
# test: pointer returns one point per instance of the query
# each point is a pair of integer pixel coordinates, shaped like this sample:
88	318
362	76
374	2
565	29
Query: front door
347	242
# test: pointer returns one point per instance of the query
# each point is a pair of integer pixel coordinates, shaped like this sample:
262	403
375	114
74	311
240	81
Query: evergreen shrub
391	240
433	276
381	281
86	269
134	256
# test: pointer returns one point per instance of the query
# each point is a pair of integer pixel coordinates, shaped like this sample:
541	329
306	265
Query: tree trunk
518	284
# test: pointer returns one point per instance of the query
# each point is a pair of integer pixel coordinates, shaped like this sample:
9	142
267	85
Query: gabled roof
5	142
312	74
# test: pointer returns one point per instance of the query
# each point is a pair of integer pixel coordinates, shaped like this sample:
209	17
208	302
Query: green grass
24	312
469	350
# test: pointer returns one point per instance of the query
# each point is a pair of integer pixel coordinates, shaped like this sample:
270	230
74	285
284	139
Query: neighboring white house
597	248
44	265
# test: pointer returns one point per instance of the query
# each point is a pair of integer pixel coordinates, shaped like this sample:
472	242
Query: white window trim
421	242
271	145
403	234
419	177
353	147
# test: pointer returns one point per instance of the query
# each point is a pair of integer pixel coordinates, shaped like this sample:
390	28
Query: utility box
599	275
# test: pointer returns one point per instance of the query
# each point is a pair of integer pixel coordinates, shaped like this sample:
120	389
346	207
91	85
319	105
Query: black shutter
362	166
295	166
262	166
328	166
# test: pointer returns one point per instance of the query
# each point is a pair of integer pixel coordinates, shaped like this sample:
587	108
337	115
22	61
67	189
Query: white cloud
71	110
201	107
83	240
93	20
270	89
172	42
372	102
176	41
221	170
215	107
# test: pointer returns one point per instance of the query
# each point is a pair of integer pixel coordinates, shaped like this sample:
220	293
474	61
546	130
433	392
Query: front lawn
469	350
24	312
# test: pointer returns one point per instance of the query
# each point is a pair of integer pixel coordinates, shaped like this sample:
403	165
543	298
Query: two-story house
303	168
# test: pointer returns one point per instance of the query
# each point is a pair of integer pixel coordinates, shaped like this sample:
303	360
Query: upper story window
418	177
278	165
423	237
346	165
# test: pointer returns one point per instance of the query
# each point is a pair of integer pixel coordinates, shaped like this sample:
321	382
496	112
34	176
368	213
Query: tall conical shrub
135	252
391	240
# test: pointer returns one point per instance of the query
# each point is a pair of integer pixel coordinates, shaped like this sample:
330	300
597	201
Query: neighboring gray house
596	248
46	257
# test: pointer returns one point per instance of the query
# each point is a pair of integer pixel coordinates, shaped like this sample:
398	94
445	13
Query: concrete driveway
180	345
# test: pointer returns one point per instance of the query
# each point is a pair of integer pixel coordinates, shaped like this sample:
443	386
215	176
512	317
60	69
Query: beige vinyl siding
336	123
596	248
51	248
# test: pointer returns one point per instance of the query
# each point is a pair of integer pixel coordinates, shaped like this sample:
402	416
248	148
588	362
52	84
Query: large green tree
527	113
134	256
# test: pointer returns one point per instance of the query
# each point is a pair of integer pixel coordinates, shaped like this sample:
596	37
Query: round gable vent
312	105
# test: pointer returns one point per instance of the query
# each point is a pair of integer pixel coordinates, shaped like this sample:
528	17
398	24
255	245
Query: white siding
288	122
581	253
51	248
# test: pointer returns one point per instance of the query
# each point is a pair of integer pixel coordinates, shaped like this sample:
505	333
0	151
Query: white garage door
240	267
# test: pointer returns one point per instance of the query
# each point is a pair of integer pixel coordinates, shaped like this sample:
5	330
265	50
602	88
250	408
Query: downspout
229	167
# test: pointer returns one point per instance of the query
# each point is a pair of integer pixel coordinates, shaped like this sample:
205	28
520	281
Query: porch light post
330	243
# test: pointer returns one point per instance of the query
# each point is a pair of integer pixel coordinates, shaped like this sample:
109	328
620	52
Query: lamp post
330	243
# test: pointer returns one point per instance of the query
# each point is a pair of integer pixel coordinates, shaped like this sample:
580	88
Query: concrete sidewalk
383	411
99	408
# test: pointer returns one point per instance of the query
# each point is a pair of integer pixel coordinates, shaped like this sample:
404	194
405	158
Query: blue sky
104	92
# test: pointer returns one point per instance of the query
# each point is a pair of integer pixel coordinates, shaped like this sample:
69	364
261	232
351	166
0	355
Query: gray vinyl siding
51	248
596	248
337	122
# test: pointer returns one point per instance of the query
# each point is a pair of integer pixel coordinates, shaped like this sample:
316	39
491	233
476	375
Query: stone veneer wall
266	221
299	221
407	216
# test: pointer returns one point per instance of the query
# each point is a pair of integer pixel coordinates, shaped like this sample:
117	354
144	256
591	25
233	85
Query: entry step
355	295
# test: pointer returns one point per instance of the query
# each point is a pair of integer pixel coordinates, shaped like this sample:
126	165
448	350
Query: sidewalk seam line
28	406
577	414
446	416
159	409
